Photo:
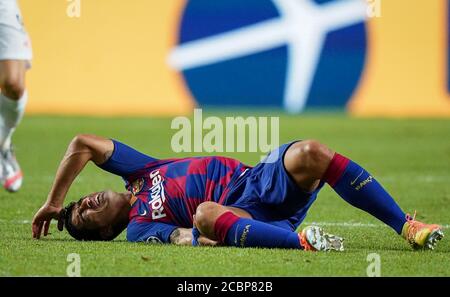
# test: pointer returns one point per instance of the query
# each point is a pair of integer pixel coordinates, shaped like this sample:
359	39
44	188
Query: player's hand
205	241
201	239
42	219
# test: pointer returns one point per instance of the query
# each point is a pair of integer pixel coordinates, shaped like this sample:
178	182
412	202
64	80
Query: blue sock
356	186
241	232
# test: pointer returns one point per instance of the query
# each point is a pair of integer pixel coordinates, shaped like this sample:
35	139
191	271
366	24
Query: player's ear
106	232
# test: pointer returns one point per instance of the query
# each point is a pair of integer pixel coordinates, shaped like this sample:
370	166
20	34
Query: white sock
11	112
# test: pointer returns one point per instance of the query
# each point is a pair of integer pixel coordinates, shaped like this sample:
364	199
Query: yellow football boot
421	235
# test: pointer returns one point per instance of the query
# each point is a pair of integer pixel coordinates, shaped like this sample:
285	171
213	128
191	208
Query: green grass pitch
411	158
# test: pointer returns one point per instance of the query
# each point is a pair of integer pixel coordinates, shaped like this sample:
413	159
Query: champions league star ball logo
291	53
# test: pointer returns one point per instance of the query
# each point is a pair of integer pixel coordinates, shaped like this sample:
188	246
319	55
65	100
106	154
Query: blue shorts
269	193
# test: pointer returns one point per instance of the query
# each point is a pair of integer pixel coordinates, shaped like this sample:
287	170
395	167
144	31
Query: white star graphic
303	26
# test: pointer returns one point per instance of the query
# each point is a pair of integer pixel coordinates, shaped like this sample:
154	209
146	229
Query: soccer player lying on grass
227	202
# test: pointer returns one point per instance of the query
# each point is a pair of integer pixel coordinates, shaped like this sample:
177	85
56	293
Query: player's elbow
81	143
80	140
86	140
99	148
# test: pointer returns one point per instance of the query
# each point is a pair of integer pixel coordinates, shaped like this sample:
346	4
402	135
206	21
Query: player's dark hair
83	233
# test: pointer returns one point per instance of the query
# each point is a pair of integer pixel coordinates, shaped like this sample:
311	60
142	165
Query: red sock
223	224
335	169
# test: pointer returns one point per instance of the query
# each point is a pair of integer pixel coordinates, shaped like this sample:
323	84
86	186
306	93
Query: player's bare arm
81	150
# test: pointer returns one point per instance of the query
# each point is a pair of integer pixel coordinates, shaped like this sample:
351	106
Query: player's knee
206	215
13	87
311	154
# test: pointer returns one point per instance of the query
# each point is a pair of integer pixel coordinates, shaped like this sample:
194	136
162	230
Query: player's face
100	209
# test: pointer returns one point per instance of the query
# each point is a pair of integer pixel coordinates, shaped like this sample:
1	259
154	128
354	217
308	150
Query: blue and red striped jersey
169	191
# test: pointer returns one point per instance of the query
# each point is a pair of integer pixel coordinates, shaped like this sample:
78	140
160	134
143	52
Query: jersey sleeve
150	232
125	160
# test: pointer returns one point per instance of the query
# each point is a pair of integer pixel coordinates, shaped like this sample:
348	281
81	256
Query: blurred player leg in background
15	57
